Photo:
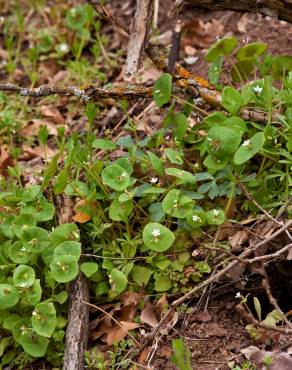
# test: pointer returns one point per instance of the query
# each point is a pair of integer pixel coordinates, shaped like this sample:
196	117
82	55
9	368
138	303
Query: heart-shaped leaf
251	51
221	47
89	268
72	249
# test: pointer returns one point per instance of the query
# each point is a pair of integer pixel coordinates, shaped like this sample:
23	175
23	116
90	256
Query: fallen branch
89	93
78	312
139	34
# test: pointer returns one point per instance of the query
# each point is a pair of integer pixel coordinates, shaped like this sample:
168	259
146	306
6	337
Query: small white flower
156	91
22	285
216	212
238	295
34	313
276	141
153	180
257	89
246	143
63	47
196	218
23	249
156	232
124	174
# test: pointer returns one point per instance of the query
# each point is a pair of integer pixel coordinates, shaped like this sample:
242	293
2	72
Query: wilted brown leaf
54	114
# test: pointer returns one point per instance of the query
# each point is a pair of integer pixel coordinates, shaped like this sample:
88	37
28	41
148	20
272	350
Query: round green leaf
34	344
157	237
64	268
104	144
177	205
9	296
162	283
196	218
89	268
249	148
251	51
281	65
32	295
214	164
19	253
120	211
141	275
118	281
36	239
241	71
44	319
116	177
63	233
222	141
221	47
231	100
23	276
44	211
183	176
162	89
22	222
72	249
215	217
237	124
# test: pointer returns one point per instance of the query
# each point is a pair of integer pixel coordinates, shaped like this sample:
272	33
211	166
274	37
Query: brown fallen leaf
202	316
33	126
118	333
238	239
54	114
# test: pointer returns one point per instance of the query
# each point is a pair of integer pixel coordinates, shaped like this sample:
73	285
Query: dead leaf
81	217
144	355
32	128
202	316
53	113
164	352
201	34
238	239
280	360
149	315
118	333
83	211
130	298
214	329
243	22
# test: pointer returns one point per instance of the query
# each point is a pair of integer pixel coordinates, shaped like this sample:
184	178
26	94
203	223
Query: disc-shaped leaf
141	275
221	47
36	239
22	222
44	319
9	296
32	295
241	71
118	281
183	176
214	164
19	253
162	283
231	100
281	65
196	218
215	217
162	89
64	268
72	249
176	204
251	51
157	237
120	211
23	276
44	211
249	148
63	233
237	124
30	193
116	177
34	344
89	268
222	141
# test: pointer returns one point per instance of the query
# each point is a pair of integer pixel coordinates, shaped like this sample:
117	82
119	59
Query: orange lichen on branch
184	73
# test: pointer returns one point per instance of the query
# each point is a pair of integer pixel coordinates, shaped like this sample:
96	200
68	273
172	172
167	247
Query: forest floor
212	327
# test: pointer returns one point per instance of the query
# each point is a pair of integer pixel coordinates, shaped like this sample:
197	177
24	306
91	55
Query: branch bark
281	9
139	34
78	316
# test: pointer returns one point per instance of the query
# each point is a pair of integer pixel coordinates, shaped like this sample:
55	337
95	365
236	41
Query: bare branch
139	34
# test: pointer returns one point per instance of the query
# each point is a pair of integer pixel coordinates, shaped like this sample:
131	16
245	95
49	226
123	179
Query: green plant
181	355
